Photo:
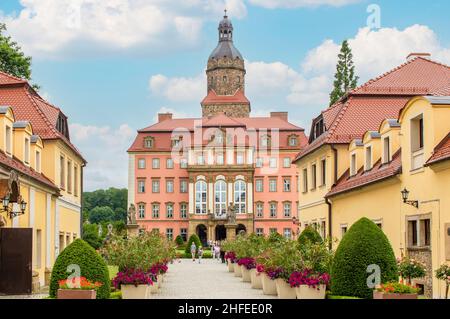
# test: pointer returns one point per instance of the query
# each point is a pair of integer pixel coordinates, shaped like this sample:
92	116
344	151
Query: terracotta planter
256	279
246	277
269	285
306	292
76	294
230	266
237	270
135	292
284	290
382	295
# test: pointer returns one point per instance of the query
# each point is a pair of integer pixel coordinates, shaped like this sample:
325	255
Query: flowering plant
231	256
260	268
80	283
397	288
274	273
132	277
443	273
159	269
249	263
308	278
410	269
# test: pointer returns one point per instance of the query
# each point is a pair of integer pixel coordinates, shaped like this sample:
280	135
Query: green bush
309	235
363	245
92	266
179	240
275	237
194	238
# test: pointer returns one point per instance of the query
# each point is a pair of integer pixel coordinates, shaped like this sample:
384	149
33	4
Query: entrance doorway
221	232
241	229
202	235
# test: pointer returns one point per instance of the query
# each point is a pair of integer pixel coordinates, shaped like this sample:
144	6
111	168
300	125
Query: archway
202	234
241	229
221	232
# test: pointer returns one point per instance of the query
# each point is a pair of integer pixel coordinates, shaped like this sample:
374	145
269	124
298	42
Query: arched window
240	196
200	197
220	199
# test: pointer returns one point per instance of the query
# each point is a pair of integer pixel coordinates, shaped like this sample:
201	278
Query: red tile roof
378	173
441	151
221	120
237	98
382	98
29	106
6	78
14	163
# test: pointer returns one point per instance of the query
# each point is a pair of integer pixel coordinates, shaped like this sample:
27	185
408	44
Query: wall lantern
405	195
13	209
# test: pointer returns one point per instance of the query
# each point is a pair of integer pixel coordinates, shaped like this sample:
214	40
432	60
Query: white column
131	179
210	159
230	193
48	232
230	156
56	228
191	198
211	197
32	207
250	156
250	198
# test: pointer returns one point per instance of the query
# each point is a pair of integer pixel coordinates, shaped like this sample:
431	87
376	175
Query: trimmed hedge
92	266
309	235
179	241
363	245
194	238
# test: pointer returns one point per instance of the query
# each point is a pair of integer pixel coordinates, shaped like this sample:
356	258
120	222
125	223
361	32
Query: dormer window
353	169
8	142
368	166
61	125
176	142
386	150
318	128
293	141
148	142
38	161
265	141
26	155
417	142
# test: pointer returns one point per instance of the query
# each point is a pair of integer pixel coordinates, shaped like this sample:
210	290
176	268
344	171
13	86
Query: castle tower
226	77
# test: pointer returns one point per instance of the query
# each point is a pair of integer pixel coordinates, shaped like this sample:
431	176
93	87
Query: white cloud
179	89
272	4
175	113
105	150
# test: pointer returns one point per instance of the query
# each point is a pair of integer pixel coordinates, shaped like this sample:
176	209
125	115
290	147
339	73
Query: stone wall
232	110
226	76
424	256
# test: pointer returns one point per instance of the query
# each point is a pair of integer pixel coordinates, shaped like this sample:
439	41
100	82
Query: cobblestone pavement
33	296
208	280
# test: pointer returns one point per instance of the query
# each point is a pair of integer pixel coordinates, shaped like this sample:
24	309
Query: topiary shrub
92	266
309	235
363	245
194	238
179	240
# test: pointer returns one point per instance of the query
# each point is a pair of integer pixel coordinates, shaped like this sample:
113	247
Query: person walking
200	254
193	251
217	252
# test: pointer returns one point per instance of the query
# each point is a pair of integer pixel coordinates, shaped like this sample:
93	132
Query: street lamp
10	209
405	195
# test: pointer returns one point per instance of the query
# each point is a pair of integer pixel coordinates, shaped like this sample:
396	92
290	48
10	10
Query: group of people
216	251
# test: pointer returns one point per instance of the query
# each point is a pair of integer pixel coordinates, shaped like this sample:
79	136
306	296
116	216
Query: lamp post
13	209
405	196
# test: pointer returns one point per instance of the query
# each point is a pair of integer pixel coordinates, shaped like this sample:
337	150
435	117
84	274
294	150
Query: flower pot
237	270
306	292
269	285
76	294
256	279
382	295
154	288
135	292
284	290
246	277
230	266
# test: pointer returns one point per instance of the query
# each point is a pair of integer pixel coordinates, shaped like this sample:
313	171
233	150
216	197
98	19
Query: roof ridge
338	118
444	140
13	77
47	102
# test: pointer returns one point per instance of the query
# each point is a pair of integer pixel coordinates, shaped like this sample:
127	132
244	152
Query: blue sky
112	67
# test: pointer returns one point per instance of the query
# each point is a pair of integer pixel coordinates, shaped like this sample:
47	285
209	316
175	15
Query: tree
345	78
101	214
114	198
12	60
309	235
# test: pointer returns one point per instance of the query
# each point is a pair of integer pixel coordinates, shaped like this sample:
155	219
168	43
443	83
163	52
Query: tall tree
345	78
12	60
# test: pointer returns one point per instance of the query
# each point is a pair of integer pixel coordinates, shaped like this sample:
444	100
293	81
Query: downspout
81	199
327	201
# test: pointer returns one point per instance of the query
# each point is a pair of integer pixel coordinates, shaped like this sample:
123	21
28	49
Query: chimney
280	115
414	55
164	117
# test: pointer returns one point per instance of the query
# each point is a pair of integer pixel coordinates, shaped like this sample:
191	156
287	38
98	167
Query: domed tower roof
225	48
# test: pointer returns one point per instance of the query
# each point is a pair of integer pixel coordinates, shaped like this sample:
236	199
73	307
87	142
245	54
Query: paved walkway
208	280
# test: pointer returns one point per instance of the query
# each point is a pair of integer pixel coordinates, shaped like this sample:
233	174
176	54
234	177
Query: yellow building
392	142
39	166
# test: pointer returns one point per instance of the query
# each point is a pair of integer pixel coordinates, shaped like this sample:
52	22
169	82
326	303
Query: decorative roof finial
225	16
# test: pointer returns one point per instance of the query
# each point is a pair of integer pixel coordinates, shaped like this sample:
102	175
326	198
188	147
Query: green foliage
101	214
397	288
91	232
116	295
345	78
193	238
363	245
91	264
275	237
411	269
115	199
12	60
309	235
443	273
316	256
179	240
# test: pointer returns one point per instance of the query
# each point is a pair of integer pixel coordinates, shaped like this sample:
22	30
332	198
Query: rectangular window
273	210
240	158
200	160
155	163
417	142
323	175
286	184
260	231
313	176
259	187
287	233
169	186
183	211
287	162
38	161
287	209
305	180
412	233
148	143
69	176
353	170
273	162
183	186
259	210
183	163
219	159
323	229
141	210
368	158
75	180
386	150
169	163
272	185
155	186
169	234
8	137
155	211
343	230
141	186
169	210
183	233
62	176
27	151
259	162
273	230
141	163
425	229
421	142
